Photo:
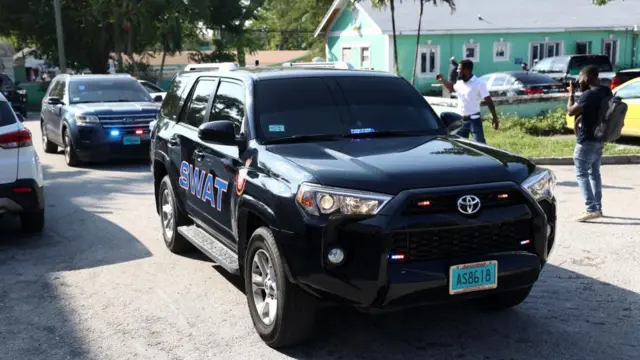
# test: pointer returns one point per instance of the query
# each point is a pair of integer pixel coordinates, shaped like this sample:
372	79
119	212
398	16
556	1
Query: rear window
7	116
531	78
577	63
340	105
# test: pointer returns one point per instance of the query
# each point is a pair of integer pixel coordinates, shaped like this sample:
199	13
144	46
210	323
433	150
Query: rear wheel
282	313
32	222
70	155
171	218
504	300
48	146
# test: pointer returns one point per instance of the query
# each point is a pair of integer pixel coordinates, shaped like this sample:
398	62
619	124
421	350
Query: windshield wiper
389	133
303	138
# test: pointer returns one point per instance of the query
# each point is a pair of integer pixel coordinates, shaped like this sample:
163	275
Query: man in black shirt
588	150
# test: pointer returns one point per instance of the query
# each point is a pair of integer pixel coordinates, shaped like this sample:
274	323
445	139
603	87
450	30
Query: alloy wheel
67	147
264	287
166	203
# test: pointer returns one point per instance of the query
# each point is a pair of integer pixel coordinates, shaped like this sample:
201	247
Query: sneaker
589	216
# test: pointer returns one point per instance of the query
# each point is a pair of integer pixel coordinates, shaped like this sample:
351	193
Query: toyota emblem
469	204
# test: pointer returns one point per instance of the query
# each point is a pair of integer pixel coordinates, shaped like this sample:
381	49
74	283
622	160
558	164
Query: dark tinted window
150	87
107	89
602	62
340	105
5	82
531	78
229	104
175	98
197	107
56	89
7	117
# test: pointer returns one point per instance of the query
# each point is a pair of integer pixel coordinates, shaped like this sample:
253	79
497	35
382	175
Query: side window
5	82
499	80
55	89
175	98
630	91
511	81
197	107
62	91
229	104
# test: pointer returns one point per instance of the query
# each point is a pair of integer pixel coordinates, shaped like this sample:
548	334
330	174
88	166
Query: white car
21	180
153	89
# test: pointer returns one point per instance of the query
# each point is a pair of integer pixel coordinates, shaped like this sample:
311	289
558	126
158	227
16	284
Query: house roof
508	16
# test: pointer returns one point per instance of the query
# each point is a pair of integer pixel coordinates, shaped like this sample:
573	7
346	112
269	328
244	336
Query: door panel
632	119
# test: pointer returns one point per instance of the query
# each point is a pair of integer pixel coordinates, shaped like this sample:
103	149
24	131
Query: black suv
15	95
343	187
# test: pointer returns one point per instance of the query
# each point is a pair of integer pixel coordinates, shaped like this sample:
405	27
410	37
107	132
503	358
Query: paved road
99	284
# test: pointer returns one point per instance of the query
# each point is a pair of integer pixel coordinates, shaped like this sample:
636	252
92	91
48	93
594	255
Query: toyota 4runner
343	187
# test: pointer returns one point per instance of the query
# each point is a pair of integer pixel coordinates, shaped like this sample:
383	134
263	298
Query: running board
211	247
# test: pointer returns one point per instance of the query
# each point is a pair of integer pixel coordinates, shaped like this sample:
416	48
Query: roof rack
325	64
224	66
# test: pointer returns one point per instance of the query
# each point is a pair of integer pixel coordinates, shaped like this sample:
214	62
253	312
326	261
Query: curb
606	160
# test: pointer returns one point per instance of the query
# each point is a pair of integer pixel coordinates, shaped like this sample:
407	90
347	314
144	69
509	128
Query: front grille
444	203
126	121
443	243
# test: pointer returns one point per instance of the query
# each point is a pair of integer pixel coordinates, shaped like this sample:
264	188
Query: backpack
611	119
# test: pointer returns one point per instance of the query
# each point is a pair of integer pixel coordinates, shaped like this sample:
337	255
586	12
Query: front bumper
21	196
519	236
94	143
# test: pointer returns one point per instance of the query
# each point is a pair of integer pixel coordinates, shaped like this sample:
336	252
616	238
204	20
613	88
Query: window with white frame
501	51
471	52
346	54
610	48
583	47
542	50
365	59
428	60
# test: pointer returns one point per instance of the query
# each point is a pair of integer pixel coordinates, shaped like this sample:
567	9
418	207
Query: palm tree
451	4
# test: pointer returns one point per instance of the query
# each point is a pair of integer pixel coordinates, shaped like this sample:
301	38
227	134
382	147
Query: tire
294	319
48	146
504	300
32	222
171	218
70	155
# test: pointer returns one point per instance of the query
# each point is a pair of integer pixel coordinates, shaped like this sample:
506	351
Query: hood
114	108
391	165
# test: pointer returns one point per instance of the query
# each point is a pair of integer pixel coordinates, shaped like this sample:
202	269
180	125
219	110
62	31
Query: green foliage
545	124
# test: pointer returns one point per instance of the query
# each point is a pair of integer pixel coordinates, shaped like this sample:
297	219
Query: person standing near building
588	150
471	91
453	77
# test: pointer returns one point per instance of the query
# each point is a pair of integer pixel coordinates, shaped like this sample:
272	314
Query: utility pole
59	35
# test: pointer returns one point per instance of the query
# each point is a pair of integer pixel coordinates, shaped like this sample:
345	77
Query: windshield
7	116
579	62
341	106
107	90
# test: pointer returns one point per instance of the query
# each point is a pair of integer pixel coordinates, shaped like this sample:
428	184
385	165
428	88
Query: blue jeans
475	127
586	158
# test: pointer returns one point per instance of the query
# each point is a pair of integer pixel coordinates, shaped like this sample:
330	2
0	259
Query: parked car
623	76
15	95
153	89
567	67
516	83
342	186
97	117
21	180
630	94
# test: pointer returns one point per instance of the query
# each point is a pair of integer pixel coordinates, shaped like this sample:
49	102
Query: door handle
173	141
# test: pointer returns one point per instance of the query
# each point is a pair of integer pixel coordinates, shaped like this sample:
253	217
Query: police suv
344	187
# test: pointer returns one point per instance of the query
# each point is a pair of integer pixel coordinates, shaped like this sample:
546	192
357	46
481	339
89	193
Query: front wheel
171	218
70	155
48	146
282	313
504	300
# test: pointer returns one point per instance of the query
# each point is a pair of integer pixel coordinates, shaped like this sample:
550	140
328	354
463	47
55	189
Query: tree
451	4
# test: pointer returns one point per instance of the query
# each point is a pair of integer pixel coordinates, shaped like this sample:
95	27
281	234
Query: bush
546	124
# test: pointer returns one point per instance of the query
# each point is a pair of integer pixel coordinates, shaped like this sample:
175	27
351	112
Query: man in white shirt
471	91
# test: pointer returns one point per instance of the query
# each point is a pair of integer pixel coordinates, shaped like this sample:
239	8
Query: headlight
22	92
541	184
86	119
317	199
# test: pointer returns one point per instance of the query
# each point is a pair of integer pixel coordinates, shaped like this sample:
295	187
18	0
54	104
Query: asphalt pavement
100	284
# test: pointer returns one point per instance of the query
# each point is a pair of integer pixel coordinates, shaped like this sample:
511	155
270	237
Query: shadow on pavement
558	321
35	320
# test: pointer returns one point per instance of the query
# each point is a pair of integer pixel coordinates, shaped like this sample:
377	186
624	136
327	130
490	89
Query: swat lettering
201	184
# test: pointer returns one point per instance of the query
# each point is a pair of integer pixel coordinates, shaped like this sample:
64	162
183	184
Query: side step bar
211	247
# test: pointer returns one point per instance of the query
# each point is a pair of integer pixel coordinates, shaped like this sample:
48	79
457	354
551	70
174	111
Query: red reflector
424	203
533	91
16	139
22	190
503	196
139	132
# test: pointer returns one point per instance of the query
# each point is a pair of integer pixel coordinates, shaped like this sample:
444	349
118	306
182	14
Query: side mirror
453	121
220	132
20	117
52	100
157	98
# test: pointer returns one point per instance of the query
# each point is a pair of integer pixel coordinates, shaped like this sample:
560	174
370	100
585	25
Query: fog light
335	256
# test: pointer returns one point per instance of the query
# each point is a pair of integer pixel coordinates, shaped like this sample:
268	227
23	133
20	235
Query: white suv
21	181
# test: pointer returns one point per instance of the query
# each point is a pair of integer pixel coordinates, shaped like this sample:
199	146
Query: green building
498	35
